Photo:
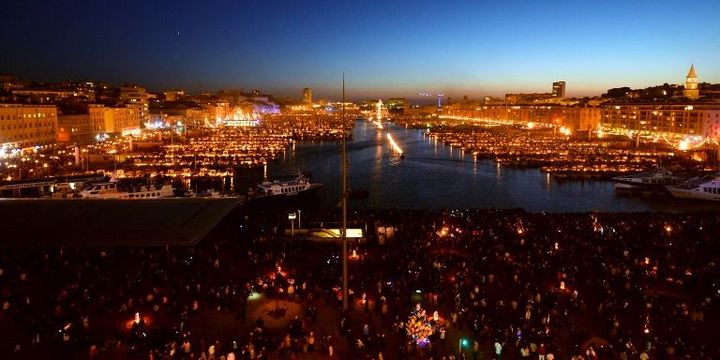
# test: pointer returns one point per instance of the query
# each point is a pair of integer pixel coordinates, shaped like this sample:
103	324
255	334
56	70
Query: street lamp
343	230
291	217
463	342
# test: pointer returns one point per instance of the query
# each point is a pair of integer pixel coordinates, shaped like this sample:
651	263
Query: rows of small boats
663	181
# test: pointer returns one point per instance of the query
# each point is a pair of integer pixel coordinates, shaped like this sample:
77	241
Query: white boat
706	190
212	194
278	188
647	180
109	190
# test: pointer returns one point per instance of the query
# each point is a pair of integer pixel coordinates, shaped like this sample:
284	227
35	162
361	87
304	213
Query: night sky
386	48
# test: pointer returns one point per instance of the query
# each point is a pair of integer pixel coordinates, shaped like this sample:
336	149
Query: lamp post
291	217
462	342
299	218
343	230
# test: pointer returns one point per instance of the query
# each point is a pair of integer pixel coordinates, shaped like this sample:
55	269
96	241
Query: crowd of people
491	284
572	285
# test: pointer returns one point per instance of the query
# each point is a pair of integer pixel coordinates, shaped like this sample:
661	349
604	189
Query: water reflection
431	177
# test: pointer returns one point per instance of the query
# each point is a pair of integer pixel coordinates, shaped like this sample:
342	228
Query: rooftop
44	222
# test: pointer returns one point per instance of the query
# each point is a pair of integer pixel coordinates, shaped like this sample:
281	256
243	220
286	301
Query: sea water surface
433	175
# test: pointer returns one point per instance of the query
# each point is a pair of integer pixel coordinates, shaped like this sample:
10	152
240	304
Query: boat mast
343	231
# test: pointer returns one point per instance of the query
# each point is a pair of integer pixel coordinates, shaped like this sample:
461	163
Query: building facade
662	120
76	126
558	89
27	125
136	95
307	97
691	90
648	120
573	117
396	105
174	95
114	119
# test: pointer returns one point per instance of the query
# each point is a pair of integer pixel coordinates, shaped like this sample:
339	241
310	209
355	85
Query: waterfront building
573	117
294	107
396	105
136	95
691	90
307	97
218	110
670	120
115	119
558	89
27	125
198	116
77	126
657	120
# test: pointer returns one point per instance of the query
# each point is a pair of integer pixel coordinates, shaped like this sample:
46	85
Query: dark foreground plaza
475	284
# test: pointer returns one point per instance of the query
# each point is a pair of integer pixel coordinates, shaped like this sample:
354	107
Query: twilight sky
386	48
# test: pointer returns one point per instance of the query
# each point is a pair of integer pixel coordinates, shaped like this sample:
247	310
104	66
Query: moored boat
110	190
657	180
280	189
697	189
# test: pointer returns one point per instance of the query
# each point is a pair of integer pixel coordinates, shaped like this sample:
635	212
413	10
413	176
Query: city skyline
384	49
275	179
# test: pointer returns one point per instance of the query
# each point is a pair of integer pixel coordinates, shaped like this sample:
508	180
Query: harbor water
433	175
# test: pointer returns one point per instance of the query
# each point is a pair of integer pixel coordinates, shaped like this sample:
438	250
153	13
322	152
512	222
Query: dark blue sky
386	48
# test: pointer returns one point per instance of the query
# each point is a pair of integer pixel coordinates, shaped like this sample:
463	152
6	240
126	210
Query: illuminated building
262	105
231	96
136	95
294	108
198	116
173	95
572	117
558	89
662	120
74	126
115	119
242	118
524	99
218	110
27	125
44	95
396	105
555	97
307	97
649	120
691	90
368	105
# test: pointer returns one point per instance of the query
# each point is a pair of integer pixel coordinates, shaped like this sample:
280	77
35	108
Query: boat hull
692	194
279	197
